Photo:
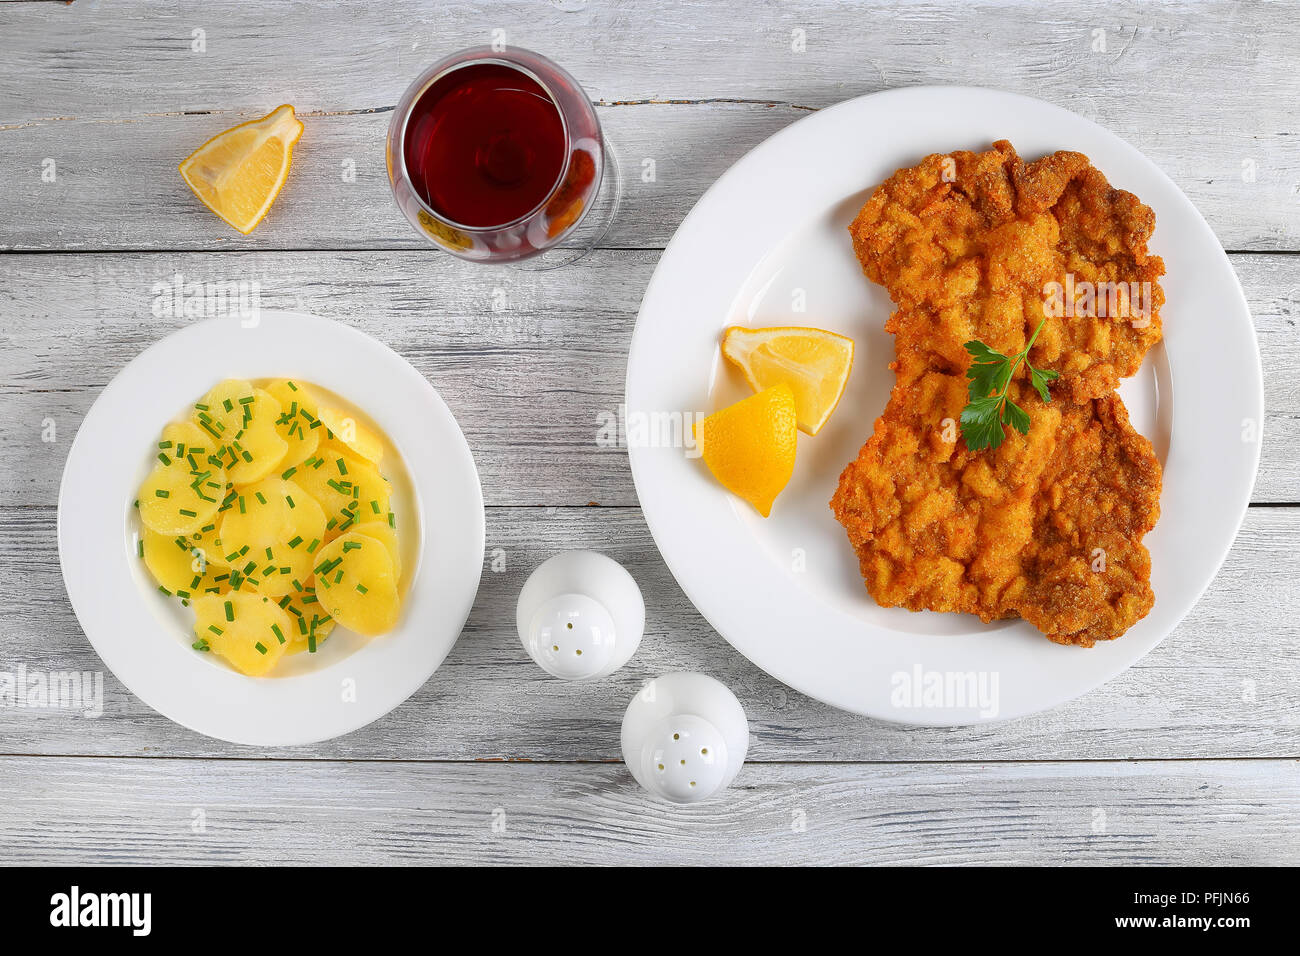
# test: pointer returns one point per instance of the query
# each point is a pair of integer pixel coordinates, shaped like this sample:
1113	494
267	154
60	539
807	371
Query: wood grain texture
1208	90
255	812
1226	683
491	340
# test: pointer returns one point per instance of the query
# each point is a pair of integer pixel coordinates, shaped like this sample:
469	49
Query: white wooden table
1188	757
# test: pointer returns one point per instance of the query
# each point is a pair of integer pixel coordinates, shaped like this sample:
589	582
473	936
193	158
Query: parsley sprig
988	408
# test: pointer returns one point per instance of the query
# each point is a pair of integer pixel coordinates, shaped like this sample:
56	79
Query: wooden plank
491	340
1225	684
116	126
257	812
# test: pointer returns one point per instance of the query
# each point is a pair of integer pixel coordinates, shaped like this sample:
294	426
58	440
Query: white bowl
145	637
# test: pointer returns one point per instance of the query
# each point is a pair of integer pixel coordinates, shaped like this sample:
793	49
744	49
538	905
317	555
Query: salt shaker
580	615
685	737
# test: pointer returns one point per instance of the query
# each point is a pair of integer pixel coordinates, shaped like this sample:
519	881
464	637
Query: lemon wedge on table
813	362
237	174
750	446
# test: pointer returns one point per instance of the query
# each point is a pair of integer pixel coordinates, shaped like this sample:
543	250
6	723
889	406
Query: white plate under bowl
767	245
145	637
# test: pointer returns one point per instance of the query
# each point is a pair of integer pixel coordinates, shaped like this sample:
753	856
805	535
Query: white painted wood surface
1188	757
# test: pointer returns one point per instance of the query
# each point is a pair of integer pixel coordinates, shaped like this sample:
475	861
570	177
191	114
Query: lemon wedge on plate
813	362
749	446
237	174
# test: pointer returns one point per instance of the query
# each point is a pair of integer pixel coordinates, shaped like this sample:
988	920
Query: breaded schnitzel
965	243
1048	526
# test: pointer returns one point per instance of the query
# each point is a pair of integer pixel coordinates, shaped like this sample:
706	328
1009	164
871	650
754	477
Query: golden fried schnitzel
1047	526
966	244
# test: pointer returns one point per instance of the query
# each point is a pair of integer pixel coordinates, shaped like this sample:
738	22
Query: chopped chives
228	405
361	588
374	506
289	499
164	459
261	498
162	493
260	648
295	541
278	633
230	611
343	468
288	472
315	543
189	514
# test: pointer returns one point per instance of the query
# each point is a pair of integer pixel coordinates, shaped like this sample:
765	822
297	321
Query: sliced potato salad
267	513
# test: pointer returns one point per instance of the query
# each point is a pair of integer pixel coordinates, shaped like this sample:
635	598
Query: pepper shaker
685	737
580	615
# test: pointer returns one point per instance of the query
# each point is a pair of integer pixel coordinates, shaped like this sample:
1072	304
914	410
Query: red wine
485	145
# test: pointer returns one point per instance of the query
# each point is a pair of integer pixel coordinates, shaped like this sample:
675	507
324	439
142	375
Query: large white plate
145	638
768	238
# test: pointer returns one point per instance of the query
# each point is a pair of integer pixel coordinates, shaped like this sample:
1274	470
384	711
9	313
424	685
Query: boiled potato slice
356	585
307	617
184	490
186	440
249	630
380	530
299	421
350	489
208	543
269	530
355	436
286	391
177	564
243	418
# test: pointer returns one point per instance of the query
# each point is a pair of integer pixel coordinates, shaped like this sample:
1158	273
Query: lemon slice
749	446
237	174
813	362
